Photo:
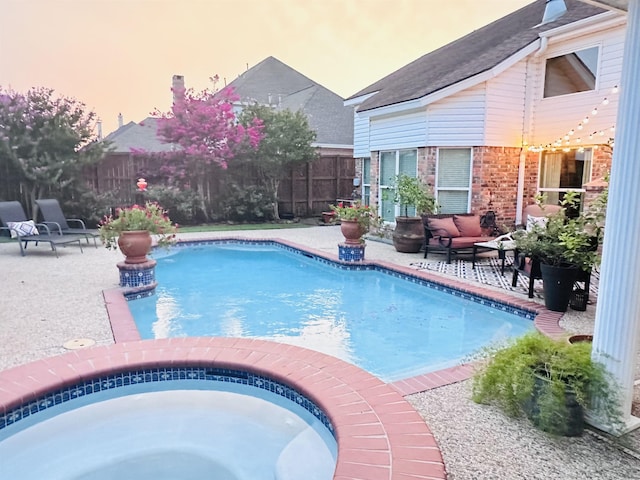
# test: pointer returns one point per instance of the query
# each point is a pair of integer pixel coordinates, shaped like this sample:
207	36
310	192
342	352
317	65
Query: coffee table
499	245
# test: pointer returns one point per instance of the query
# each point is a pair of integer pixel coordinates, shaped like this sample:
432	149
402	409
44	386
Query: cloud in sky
119	55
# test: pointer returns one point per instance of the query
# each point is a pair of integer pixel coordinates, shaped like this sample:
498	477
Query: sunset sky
119	55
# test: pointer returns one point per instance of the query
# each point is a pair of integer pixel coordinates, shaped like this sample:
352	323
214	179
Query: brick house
523	105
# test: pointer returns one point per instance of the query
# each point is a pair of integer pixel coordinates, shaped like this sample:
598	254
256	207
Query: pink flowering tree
206	135
45	141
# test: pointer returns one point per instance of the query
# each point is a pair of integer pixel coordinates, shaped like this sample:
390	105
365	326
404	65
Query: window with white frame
391	164
453	180
366	181
571	73
563	171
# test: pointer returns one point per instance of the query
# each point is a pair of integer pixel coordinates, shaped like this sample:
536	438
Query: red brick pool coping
380	435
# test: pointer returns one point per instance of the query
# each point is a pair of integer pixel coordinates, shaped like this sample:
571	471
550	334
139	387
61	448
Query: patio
49	301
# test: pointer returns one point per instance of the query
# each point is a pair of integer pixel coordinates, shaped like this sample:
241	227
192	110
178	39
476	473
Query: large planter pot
408	236
352	232
135	245
566	419
557	284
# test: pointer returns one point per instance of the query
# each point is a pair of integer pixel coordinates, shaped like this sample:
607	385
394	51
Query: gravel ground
47	301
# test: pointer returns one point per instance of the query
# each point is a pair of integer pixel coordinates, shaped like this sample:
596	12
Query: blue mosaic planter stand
351	253
138	279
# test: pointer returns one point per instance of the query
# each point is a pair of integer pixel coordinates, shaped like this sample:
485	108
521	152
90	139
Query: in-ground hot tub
223	424
368	418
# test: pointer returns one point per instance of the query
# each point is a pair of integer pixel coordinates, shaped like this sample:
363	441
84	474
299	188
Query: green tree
45	140
286	142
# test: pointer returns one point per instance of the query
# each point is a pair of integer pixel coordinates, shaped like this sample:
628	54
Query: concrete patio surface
47	302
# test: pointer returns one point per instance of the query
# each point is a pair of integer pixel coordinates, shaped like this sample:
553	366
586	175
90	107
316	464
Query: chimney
177	87
553	10
120	120
99	125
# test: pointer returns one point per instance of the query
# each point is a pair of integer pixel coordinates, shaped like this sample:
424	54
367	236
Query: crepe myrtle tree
45	141
204	129
286	143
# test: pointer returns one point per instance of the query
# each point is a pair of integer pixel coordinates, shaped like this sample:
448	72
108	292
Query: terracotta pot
408	237
352	231
135	245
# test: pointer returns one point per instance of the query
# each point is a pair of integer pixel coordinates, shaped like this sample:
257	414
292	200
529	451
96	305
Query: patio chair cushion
442	227
20	229
468	225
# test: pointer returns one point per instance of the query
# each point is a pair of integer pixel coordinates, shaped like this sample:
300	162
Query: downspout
544	43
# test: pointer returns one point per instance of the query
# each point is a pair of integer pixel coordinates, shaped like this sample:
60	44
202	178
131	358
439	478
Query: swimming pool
391	325
166	423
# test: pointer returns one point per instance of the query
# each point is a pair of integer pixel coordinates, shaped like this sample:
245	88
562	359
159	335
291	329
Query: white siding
554	117
506	107
398	131
361	136
458	120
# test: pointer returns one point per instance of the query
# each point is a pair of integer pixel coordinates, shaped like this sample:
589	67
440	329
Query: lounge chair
13	219
54	218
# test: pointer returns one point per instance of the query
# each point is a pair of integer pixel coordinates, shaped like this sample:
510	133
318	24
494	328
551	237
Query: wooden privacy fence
306	191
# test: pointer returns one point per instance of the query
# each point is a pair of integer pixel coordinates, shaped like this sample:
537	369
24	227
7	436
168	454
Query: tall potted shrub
408	236
563	246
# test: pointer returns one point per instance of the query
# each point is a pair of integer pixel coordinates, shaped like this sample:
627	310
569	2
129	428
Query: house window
392	164
561	172
453	180
366	180
571	73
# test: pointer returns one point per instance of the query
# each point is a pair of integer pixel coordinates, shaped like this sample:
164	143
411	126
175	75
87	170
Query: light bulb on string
566	137
580	127
605	101
614	89
594	111
601	133
585	120
571	132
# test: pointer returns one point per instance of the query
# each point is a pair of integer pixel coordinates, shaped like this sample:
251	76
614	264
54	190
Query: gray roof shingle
141	136
477	52
273	82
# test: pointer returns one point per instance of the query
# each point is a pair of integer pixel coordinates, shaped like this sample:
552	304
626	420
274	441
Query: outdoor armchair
14	221
54	218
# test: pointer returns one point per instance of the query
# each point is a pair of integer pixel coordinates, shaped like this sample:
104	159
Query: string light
566	138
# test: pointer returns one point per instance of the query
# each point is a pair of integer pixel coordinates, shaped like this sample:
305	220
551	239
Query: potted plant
552	382
564	247
354	220
130	229
408	236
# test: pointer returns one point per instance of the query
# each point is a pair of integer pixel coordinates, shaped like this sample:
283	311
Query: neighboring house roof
139	136
272	82
470	55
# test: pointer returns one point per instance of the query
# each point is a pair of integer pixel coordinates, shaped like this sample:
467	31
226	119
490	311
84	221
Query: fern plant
541	377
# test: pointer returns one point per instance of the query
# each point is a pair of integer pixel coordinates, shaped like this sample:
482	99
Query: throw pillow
468	225
532	221
20	229
442	227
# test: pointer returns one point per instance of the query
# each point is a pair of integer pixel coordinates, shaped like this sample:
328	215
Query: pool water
247	434
389	326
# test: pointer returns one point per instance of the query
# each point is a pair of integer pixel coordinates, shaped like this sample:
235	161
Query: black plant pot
557	284
567	421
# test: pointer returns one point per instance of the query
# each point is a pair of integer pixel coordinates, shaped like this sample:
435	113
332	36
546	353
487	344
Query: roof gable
475	53
272	82
139	136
